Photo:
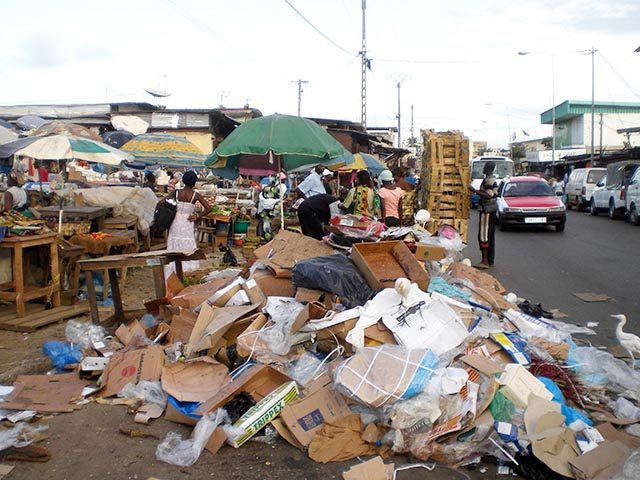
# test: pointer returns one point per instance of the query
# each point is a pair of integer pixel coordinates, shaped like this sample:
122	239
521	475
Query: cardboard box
517	384
379	333
382	263
131	367
181	325
272	286
174	415
602	463
216	440
425	252
263	412
304	418
257	380
194	295
125	333
194	381
45	393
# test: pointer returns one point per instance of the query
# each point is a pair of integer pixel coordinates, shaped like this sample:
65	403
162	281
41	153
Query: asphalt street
593	254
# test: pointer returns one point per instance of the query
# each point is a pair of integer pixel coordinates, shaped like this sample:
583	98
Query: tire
560	228
612	209
634	218
592	207
568	203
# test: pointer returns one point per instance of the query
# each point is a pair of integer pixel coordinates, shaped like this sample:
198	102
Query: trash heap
380	352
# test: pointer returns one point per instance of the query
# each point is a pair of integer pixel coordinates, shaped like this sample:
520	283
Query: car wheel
612	209
567	202
634	218
592	208
560	228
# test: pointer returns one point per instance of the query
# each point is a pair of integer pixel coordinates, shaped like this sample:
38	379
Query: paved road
594	254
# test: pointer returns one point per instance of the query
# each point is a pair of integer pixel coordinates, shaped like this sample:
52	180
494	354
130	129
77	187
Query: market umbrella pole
280	193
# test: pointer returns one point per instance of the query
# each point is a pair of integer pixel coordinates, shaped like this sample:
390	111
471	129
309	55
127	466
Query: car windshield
503	169
595	176
528	189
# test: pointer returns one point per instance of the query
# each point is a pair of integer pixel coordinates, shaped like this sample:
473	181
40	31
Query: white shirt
312	185
18	197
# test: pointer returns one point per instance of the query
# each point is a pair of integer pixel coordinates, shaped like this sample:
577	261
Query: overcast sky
455	57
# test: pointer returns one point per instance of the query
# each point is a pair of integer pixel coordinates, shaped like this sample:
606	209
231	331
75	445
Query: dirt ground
87	443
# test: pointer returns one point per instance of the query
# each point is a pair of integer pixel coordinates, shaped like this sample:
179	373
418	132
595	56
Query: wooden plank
43	317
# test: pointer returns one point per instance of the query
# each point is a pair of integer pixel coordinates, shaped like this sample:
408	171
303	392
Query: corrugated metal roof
573	108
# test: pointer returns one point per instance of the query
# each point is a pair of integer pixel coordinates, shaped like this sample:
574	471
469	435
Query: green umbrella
263	144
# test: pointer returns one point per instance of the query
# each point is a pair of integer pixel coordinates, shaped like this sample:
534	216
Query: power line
394	60
203	26
318	30
627	84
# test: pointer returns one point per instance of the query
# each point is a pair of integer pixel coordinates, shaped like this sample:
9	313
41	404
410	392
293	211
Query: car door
601	194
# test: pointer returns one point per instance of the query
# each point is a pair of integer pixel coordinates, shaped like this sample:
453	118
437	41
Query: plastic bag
305	368
270	435
62	353
624	409
20	436
84	334
336	274
631	468
277	334
529	327
184	453
416	414
149	392
570	414
597	368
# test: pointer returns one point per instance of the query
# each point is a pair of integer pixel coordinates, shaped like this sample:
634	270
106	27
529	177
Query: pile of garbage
398	347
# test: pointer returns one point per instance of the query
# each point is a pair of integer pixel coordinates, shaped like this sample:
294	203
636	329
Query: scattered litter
593	297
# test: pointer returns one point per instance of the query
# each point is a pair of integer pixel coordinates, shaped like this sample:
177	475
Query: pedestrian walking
313	184
488	208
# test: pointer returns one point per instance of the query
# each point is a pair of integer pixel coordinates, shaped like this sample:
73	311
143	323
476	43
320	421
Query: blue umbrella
117	138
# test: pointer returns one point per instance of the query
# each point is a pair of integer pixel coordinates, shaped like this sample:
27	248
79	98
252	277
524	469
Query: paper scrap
592	297
5	470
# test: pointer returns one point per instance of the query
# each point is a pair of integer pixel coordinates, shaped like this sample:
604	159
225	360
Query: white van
580	186
633	198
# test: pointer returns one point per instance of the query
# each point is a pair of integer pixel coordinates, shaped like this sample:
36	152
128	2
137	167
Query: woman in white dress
182	234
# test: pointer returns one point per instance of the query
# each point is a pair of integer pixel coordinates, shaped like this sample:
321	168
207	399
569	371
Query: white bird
629	341
403	287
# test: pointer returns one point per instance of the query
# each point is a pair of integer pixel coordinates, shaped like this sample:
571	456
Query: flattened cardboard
181	326
255	294
257	380
131	367
382	263
308	295
45	393
247	340
305	417
379	333
288	248
425	252
482	364
174	285
194	295
211	325
602	463
148	412
284	432
194	381
373	469
609	432
272	286
125	333
176	416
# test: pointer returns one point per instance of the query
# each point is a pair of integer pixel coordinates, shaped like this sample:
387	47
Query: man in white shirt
313	184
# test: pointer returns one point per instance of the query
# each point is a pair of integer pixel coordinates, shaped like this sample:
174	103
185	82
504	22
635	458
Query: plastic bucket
241	226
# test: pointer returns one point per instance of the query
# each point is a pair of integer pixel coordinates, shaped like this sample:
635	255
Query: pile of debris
379	352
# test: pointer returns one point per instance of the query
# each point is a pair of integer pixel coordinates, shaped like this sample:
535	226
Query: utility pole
300	83
593	95
600	159
413	138
553	111
365	65
399	130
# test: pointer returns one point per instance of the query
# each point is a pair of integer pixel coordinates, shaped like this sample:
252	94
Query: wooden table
127	223
114	263
18	291
85	213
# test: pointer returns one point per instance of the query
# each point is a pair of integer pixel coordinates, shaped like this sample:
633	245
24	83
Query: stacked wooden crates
446	178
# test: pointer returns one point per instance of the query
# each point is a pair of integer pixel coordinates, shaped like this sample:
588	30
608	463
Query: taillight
584	190
623	194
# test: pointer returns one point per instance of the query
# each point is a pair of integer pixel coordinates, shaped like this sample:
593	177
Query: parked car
633	198
529	201
610	194
582	182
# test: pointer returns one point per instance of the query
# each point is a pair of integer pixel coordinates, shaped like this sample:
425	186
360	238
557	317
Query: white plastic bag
20	436
277	334
84	334
184	453
148	392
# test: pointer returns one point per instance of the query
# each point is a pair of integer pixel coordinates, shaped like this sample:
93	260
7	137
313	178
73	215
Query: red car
529	201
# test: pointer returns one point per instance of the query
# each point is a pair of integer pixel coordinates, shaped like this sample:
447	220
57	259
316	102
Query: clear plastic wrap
269	437
416	414
633	429
336	274
304	368
21	435
62	353
625	409
277	334
84	334
148	392
631	468
184	453
601	369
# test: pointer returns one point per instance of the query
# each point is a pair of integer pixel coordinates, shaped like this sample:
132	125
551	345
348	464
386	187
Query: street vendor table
85	213
113	263
18	291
